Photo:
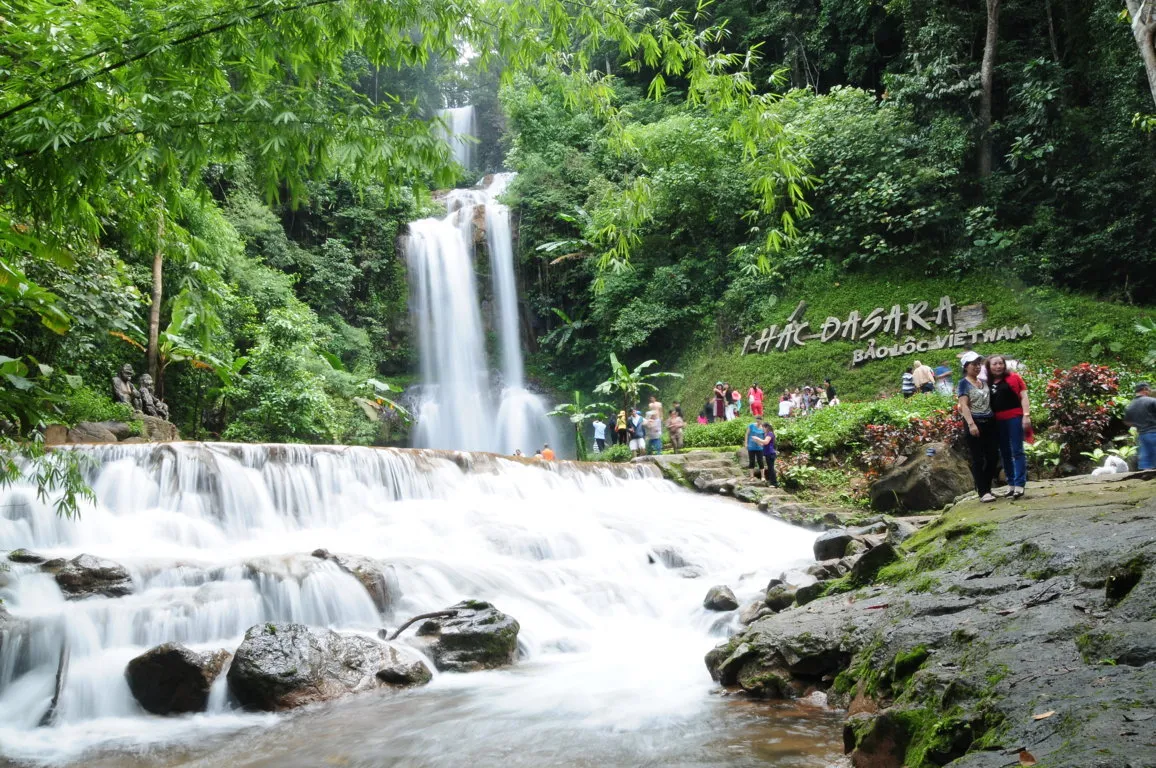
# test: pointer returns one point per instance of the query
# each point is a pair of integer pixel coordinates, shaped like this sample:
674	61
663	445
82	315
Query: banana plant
629	383
578	412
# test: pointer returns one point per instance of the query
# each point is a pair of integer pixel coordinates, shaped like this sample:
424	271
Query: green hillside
1066	328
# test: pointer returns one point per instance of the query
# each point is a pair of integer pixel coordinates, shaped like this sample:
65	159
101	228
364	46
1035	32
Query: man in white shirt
599	434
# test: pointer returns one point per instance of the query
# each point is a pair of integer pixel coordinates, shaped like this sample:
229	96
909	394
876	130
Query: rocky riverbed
1009	634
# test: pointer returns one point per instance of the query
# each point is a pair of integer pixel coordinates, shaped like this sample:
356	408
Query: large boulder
720	598
281	666
832	544
923	482
121	430
476	635
24	556
86	576
90	432
55	434
157	430
171	679
378	578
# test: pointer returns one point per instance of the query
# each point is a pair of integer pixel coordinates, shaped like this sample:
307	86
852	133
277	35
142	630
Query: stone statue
150	404
122	389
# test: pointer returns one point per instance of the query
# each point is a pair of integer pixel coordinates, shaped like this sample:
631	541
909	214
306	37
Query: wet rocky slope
998	635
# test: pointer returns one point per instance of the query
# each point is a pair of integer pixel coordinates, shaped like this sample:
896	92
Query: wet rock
171	679
780	597
119	429
872	560
281	666
899	531
668	556
753	611
855	547
404	670
831	545
6	626
24	556
90	432
1121	581
808	593
872	528
85	576
378	578
1132	644
720	598
874	741
477	636
923	482
828	569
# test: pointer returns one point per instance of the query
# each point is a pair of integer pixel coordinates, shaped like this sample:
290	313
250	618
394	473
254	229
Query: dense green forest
213	191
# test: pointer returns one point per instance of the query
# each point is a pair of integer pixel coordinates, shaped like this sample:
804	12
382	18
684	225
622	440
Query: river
605	569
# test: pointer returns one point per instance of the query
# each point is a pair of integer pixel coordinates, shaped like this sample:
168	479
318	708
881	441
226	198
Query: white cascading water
217	538
458	408
460	122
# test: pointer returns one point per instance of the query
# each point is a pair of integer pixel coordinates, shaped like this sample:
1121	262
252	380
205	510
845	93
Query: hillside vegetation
1066	328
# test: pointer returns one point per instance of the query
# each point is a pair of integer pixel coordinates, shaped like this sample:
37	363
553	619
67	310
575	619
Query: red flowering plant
887	442
1078	401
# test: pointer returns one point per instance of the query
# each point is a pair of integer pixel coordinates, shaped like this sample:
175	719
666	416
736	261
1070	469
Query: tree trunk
987	79
1144	30
155	309
1052	31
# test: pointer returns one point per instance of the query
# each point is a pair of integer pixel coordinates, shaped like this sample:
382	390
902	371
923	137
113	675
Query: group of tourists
805	401
642	432
545	453
924	379
726	402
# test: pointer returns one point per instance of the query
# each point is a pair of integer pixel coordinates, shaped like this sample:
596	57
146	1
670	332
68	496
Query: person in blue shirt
769	453
755	435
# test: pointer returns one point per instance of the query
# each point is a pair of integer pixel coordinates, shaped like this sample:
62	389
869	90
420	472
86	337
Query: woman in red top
755	398
1009	402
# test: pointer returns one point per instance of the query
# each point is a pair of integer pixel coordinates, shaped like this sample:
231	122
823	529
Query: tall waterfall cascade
605	569
461	407
460	123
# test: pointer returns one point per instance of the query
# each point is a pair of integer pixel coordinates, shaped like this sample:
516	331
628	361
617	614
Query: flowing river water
604	568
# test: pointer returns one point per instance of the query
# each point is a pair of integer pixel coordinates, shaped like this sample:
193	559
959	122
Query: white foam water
217	538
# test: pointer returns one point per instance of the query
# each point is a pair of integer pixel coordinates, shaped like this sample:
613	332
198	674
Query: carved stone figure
122	389
150	404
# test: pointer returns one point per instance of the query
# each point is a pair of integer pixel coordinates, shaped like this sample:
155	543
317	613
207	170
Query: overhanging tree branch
77	82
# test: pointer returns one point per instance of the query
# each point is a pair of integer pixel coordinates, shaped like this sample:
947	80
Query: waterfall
217	538
459	122
458	407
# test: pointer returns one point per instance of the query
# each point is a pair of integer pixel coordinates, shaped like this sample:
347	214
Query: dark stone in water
86	576
24	556
171	679
281	666
720	598
477	636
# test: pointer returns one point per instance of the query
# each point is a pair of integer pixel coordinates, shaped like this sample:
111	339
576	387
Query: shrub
887	442
1078	406
85	404
618	452
720	434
